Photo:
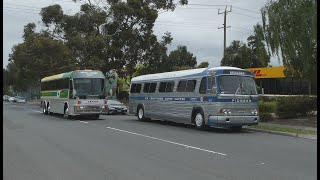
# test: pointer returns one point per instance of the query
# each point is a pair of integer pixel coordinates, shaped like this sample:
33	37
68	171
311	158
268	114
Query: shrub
267	98
290	107
267	107
265	117
123	95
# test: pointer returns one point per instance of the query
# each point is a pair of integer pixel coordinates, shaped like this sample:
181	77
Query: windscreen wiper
239	88
245	90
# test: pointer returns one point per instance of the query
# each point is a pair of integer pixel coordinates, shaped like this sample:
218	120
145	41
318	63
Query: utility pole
225	27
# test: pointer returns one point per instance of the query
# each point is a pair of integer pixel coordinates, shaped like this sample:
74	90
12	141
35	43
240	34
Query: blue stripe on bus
194	99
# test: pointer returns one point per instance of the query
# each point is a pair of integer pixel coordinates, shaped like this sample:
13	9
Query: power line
246	15
20	11
169	23
208	5
16	8
246	10
32	7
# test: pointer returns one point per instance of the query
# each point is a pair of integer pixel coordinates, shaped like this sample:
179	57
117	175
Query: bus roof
73	74
183	73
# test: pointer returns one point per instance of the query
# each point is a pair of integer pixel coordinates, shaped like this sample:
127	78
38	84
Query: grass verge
283	129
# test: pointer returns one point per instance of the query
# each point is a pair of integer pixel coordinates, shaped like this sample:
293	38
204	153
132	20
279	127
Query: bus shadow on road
191	127
83	118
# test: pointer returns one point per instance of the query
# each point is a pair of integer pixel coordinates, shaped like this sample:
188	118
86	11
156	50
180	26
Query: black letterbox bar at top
236	72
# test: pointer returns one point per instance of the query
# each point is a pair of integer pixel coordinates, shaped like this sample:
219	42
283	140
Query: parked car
6	98
116	107
19	99
11	99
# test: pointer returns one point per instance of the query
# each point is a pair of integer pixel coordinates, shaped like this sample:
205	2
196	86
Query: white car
19	99
116	107
6	98
11	99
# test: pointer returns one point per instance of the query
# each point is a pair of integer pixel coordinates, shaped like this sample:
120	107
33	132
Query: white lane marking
83	121
171	142
27	109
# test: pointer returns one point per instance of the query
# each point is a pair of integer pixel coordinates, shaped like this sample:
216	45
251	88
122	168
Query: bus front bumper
231	121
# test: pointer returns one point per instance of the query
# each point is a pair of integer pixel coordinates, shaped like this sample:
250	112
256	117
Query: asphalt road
117	147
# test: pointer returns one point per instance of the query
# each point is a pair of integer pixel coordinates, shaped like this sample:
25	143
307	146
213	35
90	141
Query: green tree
118	36
260	56
290	30
38	56
237	55
203	64
182	58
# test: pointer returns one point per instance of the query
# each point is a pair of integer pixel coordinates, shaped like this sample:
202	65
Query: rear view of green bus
75	93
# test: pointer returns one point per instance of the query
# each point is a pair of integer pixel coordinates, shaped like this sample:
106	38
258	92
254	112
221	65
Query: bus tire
140	113
199	120
44	109
48	108
66	113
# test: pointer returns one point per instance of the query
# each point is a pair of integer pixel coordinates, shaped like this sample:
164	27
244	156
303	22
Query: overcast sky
195	25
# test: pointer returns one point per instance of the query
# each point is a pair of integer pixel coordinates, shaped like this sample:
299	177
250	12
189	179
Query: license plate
118	110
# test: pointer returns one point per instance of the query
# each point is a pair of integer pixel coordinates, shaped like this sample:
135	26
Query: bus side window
162	87
170	86
182	86
146	87
191	84
133	88
203	86
138	88
152	88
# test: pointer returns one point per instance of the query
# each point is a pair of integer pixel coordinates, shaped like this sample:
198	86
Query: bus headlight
224	111
255	112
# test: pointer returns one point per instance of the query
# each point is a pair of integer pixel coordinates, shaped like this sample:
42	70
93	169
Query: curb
305	136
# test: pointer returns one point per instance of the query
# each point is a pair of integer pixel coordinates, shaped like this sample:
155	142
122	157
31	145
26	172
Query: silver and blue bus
75	93
219	97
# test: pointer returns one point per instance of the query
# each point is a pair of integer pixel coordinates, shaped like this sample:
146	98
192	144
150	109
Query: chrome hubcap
199	119
66	112
140	113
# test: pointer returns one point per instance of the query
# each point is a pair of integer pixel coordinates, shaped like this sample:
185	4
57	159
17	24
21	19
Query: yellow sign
268	72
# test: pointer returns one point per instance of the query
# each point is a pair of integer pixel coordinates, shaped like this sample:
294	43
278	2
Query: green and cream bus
75	93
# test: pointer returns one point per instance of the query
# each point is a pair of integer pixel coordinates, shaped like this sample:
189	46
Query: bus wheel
48	109
199	121
66	113
141	113
44	109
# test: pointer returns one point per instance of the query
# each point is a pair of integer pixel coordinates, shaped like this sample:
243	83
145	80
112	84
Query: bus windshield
87	86
242	85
